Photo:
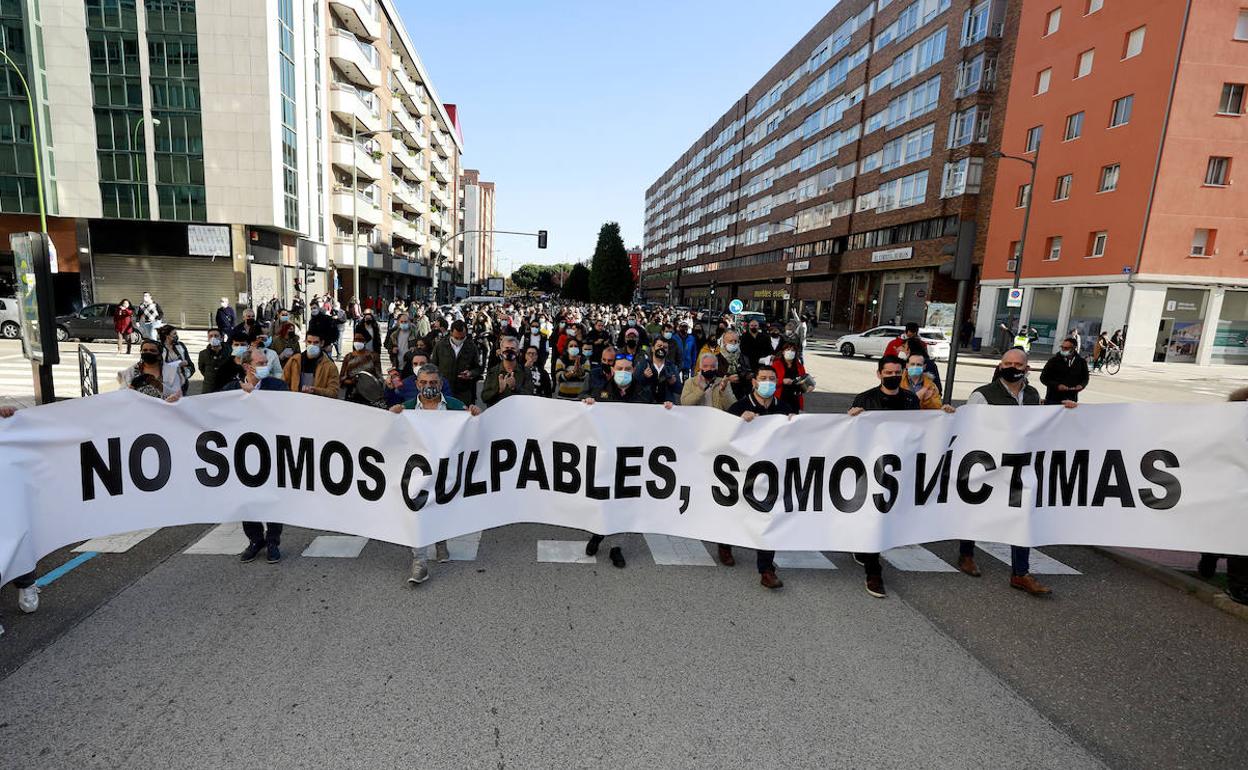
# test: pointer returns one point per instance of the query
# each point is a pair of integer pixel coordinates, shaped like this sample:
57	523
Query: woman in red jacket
788	369
123	324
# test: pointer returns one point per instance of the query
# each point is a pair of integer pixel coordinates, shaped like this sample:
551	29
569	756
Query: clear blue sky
574	107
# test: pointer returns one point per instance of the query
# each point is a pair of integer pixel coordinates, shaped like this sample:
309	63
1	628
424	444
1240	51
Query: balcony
441	171
343	254
402	230
420	139
423	108
352	104
442	143
347	156
404	120
361	17
357	58
404	193
359	205
404	159
441	195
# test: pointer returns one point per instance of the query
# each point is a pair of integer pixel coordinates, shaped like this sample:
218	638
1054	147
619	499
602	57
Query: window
1053	249
1134	43
1202	242
976	74
1033	138
968	126
1232	102
1241	28
1120	115
1217	171
1042	81
1084	66
962	177
1024	195
1109	178
1094	6
975	23
1016	251
1074	126
1097	242
1061	190
1053	21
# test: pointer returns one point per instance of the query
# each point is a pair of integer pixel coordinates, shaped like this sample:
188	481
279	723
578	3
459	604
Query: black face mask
508	355
892	382
150	358
660	353
1011	375
631	343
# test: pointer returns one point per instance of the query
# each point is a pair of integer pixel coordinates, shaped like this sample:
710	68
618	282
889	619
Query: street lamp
137	126
1022	242
34	135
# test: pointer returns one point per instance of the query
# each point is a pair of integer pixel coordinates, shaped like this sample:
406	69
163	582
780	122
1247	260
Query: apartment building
1134	115
837	184
477	209
201	150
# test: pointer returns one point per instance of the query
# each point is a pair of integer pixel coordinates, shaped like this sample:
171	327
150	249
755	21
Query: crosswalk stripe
463	548
116	543
915	558
335	546
564	551
803	560
1041	564
221	539
678	551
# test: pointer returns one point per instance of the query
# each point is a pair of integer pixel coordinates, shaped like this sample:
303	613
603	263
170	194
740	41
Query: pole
1022	243
355	219
34	135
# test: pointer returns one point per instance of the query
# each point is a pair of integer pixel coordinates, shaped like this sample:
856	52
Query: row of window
1203	244
1133	45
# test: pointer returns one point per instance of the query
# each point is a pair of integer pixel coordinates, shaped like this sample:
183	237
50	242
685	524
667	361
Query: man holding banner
1008	388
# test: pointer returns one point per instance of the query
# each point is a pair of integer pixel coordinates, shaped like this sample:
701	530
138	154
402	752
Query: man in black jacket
1065	375
458	360
889	396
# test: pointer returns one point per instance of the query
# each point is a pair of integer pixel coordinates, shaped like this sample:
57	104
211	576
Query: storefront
1230	344
1182	326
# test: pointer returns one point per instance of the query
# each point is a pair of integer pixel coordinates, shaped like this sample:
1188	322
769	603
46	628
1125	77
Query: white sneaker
442	552
28	599
420	572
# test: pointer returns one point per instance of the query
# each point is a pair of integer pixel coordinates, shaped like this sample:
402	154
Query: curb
1177	580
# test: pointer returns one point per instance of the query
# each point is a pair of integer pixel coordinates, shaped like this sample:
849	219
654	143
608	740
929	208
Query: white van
482	301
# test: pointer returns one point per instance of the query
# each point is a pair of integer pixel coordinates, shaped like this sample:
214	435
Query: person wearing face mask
174	351
323	326
430	397
572	372
733	365
789	370
151	364
150	317
123	324
260	536
1009	387
508	377
212	360
631	324
707	388
916	346
368	323
360	359
248	327
1065	375
401	340
660	377
916	380
224	318
535	337
541	381
312	372
888	396
633	347
761	400
256	374
285	341
755	345
459	361
686	349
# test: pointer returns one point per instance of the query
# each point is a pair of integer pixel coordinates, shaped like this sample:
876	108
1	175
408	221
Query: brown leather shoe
1030	585
967	564
769	580
725	556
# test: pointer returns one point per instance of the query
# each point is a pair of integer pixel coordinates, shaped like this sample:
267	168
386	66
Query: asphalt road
155	657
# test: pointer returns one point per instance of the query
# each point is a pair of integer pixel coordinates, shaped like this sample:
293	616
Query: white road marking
1041	564
116	543
463	548
916	558
803	560
678	551
221	539
565	551
336	546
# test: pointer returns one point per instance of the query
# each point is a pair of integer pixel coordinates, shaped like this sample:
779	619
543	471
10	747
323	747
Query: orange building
1133	114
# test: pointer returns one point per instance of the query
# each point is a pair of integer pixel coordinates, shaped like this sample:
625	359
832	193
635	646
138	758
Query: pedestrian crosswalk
16	379
664	550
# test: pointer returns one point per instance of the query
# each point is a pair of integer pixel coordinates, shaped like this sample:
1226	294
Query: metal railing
88	374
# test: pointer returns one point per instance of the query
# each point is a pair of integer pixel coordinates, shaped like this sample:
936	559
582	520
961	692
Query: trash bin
976	343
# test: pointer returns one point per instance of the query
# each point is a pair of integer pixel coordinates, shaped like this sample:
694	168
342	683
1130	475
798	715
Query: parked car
872	342
10	319
743	319
93	322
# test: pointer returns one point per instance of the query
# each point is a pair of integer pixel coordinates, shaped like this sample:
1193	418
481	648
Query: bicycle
1113	362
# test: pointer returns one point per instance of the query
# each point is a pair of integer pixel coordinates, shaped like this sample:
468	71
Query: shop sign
793	267
892	255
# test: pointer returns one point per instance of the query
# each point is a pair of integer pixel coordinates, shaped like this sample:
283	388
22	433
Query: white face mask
358	345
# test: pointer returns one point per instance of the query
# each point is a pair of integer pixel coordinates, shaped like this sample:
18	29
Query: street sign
1015	299
1127	270
736	306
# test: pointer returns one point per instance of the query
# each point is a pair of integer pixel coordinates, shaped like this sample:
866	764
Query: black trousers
870	563
1236	575
255	532
766	559
22	581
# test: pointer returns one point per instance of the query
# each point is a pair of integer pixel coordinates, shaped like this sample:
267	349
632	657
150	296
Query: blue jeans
1020	558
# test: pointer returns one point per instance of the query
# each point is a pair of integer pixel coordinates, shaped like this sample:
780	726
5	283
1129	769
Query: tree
576	287
526	277
610	276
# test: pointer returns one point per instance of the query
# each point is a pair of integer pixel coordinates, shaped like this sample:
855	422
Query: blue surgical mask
314	351
574	352
623	378
405	326
766	388
239	350
631	322
914	371
269	342
262	372
667	335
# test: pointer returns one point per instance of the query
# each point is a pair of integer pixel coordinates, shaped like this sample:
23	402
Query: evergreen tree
610	276
576	287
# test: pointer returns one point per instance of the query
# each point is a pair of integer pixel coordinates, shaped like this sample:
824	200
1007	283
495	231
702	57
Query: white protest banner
1155	475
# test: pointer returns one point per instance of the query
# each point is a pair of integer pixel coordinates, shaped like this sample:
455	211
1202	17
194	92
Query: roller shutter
189	289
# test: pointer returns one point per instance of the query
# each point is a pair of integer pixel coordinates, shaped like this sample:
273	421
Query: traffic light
714	284
541	239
